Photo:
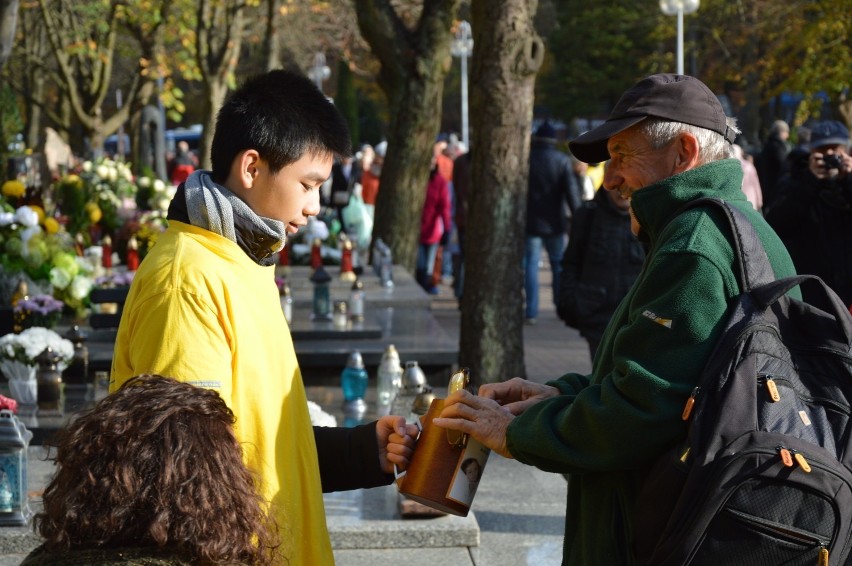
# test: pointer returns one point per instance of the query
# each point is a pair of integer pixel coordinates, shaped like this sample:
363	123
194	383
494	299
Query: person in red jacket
434	227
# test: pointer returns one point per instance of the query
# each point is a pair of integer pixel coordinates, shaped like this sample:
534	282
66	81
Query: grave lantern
322	299
14	441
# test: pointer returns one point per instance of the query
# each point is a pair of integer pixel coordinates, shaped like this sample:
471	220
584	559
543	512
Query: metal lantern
414	396
49	382
77	372
322	294
14	441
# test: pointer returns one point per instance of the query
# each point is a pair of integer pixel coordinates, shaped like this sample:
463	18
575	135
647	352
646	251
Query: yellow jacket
200	310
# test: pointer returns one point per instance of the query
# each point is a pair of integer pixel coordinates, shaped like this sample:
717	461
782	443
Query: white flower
113	174
27	345
320	417
59	278
316	229
159	185
144	182
125	172
26	235
163	203
85	265
81	286
26	216
87	166
6	218
102	171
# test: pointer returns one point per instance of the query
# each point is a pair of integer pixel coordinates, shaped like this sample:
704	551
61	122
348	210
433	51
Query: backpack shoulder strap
753	263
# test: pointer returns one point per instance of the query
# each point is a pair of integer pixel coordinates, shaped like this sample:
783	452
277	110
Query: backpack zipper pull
687	409
786	457
803	463
773	390
823	557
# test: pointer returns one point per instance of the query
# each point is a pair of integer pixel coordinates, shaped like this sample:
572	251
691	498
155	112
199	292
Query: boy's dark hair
156	464
280	114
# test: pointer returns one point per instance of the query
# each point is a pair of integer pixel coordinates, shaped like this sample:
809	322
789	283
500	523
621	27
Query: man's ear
244	169
687	153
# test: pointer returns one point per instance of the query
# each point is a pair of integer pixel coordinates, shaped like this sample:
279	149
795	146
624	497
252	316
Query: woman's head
156	464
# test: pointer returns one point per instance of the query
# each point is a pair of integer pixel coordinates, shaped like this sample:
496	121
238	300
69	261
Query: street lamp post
319	72
462	47
679	8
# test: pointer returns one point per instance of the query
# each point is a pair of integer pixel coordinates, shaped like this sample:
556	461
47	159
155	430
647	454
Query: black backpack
765	474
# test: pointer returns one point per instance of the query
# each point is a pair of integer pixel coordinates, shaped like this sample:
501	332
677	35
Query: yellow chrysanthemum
73	180
95	213
39	211
13	188
51	226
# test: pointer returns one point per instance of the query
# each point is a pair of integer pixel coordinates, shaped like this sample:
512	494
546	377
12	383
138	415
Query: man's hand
483	419
396	442
517	395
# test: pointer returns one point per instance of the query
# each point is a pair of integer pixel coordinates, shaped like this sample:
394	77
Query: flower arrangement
96	198
34	245
120	279
27	345
146	229
13	189
39	310
17	359
154	194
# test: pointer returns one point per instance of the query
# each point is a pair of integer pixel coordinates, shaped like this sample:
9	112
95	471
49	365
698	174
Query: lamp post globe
679	8
462	47
319	71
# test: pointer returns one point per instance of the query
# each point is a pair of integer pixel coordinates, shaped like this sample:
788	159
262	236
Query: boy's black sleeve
349	458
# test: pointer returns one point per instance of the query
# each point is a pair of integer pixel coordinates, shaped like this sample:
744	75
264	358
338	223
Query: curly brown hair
157	464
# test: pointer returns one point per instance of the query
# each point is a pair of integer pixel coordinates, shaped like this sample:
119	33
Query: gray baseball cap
680	98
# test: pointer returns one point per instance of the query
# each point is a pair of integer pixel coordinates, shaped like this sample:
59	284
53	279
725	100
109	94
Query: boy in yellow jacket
204	307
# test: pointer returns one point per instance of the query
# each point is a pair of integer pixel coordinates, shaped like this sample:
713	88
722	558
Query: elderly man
669	143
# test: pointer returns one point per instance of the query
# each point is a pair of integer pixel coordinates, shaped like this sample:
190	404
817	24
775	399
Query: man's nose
611	177
312	207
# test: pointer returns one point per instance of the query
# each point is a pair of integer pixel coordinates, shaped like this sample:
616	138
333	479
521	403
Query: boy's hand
396	442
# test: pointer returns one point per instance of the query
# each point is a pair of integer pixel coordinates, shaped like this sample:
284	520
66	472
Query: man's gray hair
712	145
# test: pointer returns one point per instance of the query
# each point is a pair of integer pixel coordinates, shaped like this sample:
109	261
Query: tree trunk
414	63
507	53
272	41
214	97
8	19
405	174
218	43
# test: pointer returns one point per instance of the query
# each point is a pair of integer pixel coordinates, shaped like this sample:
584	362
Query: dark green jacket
607	427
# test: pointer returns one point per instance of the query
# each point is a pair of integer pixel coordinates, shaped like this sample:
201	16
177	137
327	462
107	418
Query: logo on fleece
667	322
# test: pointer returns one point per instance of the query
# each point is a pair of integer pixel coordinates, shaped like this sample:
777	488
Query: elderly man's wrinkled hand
517	395
483	419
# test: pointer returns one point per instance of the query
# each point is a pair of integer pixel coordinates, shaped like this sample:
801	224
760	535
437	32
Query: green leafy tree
597	51
82	38
750	51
